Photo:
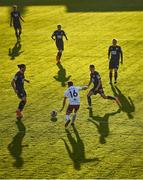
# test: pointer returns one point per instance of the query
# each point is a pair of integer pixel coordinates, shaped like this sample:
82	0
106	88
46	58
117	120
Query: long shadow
77	154
15	147
61	75
15	51
102	124
127	104
81	5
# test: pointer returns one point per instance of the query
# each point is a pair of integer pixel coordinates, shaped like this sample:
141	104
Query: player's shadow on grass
127	104
102	124
61	75
77	150
54	119
15	51
15	147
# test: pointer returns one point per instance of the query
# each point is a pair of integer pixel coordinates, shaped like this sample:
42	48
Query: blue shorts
17	25
21	94
99	91
114	64
60	45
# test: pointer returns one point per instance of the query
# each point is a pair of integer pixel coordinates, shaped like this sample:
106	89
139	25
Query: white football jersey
73	94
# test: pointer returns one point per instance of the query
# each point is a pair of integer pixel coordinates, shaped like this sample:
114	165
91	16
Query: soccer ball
53	114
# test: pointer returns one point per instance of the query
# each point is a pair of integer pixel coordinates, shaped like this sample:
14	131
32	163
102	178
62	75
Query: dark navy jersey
19	81
115	52
15	15
95	78
59	34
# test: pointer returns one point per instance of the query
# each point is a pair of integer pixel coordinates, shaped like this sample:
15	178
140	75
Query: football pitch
107	145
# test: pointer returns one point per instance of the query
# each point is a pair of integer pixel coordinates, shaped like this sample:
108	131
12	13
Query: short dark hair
14	6
114	39
92	66
21	66
70	83
59	25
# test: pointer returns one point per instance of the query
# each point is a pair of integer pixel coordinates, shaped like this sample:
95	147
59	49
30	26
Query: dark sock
110	76
89	100
59	55
16	33
111	97
21	105
115	75
19	33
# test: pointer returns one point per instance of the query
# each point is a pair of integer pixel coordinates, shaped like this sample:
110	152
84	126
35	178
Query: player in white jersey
72	93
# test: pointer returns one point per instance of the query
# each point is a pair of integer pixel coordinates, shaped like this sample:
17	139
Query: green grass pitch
107	145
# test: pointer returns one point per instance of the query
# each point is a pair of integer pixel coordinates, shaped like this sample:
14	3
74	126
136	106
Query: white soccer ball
53	114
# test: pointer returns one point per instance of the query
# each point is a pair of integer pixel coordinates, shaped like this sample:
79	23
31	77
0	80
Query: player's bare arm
11	21
14	85
109	54
26	80
53	36
65	36
21	18
84	87
121	57
64	102
89	83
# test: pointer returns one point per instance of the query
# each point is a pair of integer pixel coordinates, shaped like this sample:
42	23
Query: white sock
67	117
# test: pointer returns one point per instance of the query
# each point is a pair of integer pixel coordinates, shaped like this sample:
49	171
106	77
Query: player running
114	55
18	86
15	21
57	36
72	93
97	88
